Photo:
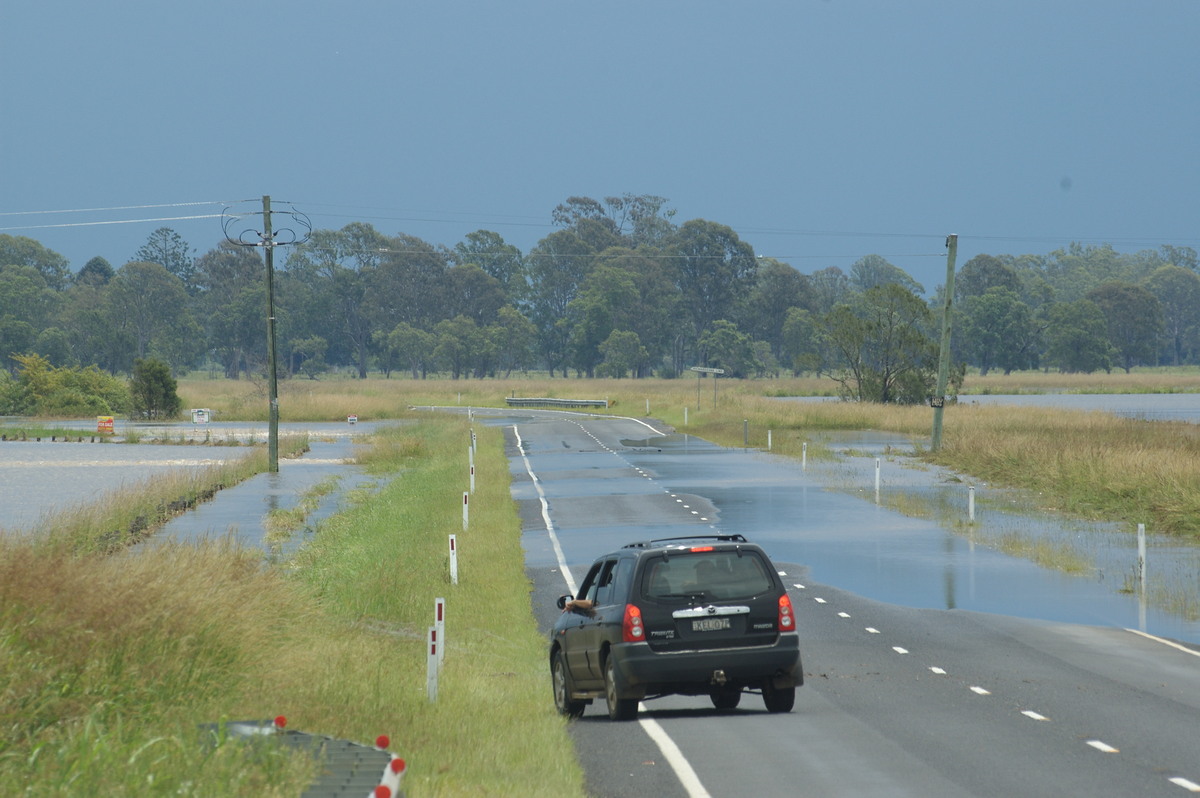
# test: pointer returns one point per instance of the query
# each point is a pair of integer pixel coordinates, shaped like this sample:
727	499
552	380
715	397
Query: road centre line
670	751
1029	713
1190	786
1100	745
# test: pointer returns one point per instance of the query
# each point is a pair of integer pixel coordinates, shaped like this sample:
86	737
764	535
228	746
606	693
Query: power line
113	221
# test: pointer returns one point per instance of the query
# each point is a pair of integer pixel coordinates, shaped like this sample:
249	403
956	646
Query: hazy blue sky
819	131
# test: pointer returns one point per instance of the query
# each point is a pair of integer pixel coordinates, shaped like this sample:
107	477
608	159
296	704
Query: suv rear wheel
562	688
618	708
778	699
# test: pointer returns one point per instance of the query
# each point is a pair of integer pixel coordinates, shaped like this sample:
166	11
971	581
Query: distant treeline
619	289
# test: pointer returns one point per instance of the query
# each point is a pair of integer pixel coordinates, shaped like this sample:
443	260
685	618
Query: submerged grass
108	664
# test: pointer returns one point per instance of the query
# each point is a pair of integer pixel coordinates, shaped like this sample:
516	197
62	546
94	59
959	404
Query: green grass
109	663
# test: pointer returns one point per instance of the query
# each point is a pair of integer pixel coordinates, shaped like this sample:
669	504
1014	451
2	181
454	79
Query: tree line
617	289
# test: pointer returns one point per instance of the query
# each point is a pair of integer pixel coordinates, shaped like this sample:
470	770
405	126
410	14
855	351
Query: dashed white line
938	671
872	630
843	615
980	691
1100	745
819	600
1029	713
899	650
1190	786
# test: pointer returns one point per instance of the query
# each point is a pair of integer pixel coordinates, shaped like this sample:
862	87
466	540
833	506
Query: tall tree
872	271
880	346
22	251
1178	292
716	270
1077	337
151	304
501	260
777	289
168	249
556	267
996	330
1134	319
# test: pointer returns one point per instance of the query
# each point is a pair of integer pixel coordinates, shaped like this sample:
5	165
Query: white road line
1029	713
872	630
819	600
938	671
899	650
1170	643
558	552
1102	746
980	691
1190	786
675	758
843	615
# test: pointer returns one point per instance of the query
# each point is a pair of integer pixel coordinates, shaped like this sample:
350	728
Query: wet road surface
901	698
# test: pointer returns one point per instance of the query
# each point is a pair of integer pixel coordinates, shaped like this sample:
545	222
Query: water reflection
824	518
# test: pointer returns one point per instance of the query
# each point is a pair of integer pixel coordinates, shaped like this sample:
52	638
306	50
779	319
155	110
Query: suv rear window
714	575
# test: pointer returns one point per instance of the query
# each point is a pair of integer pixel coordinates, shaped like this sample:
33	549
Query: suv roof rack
726	538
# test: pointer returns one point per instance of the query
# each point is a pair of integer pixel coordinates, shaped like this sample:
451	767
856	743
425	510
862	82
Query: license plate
709	624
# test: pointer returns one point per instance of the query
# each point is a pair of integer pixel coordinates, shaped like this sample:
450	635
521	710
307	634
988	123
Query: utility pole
938	400
272	385
267	239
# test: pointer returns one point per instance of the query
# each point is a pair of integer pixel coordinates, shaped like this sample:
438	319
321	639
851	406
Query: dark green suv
679	616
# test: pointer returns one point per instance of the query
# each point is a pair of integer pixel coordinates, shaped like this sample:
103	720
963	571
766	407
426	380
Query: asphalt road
898	701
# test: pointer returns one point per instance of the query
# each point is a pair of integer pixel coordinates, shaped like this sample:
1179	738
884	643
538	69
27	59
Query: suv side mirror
562	601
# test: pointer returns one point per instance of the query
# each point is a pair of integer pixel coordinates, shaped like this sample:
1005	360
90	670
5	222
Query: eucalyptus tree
150	304
606	301
556	267
715	271
1134	320
1178	292
830	288
230	298
880	346
777	289
872	271
470	291
983	272
1077	337
490	252
996	329
512	338
22	251
329	280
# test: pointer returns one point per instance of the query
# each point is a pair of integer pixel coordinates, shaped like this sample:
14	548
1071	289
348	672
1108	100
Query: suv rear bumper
641	671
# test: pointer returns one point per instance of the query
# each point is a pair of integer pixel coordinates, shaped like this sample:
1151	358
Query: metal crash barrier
543	402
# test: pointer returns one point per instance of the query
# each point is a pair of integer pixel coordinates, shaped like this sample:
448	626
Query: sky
821	131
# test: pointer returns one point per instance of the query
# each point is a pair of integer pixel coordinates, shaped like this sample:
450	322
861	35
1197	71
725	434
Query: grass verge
109	663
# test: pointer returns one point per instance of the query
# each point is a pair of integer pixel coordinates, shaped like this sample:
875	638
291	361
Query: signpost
701	370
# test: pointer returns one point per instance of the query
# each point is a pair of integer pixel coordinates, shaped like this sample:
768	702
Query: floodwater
1107	588
42	478
944	562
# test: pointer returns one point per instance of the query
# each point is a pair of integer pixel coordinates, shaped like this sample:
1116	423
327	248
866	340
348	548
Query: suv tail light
787	621
632	630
